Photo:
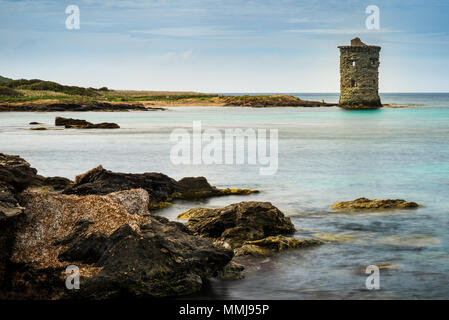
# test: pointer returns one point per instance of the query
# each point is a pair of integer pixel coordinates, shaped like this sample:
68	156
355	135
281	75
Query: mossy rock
229	191
273	244
159	205
374	204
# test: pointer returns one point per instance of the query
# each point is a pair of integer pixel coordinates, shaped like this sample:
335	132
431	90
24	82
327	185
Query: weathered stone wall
359	76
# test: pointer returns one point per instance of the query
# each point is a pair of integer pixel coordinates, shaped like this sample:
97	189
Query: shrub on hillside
9	92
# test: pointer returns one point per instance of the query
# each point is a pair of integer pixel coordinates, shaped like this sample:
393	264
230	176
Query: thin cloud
186	32
340	31
177	56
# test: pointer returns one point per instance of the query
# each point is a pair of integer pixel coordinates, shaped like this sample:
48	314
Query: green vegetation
168	98
40	85
32	90
9	92
3	79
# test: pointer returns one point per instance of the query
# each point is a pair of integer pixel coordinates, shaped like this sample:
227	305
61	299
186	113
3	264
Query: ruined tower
359	75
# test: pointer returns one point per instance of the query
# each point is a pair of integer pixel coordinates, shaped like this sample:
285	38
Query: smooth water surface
326	155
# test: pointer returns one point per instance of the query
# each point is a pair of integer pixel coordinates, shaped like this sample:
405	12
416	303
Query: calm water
326	155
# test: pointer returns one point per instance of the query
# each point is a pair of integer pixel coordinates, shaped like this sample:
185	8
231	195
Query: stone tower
359	75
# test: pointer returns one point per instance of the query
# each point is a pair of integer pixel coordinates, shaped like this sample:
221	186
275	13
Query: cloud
340	31
177	56
186	32
298	20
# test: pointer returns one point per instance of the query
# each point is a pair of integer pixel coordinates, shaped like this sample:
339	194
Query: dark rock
16	172
374	204
237	223
34	122
158	261
250	228
160	187
118	254
83	124
87	249
15	175
101	182
50	183
272	244
61	121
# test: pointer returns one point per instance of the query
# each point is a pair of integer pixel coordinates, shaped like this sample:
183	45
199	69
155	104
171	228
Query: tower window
353	63
373	62
353	83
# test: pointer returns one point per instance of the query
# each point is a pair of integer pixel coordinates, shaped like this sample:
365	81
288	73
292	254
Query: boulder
50	183
15	175
9	205
119	254
374	204
83	124
135	201
16	172
271	244
101	182
234	225
160	187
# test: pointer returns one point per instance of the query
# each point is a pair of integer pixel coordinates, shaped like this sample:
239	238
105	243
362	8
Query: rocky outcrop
160	187
49	184
272	101
268	245
83	124
16	172
119	254
15	175
135	201
374	204
75	106
251	228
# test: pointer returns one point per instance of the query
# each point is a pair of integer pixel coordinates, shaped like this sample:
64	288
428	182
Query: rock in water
83	124
118	254
374	204
160	187
251	228
271	244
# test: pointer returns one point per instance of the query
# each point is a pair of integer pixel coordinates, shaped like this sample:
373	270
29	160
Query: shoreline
278	101
158	104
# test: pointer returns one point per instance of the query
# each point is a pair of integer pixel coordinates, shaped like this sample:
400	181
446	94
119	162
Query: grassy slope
3	79
35	90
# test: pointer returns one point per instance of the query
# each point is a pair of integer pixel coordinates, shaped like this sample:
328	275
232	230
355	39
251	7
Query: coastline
157	104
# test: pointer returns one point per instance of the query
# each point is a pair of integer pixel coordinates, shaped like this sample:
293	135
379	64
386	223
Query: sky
222	46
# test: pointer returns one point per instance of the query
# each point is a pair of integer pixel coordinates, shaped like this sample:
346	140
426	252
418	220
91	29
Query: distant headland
40	95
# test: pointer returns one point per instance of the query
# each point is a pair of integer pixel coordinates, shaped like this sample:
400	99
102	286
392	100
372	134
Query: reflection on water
326	155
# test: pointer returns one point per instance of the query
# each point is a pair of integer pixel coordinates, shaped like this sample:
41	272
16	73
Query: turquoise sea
326	155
